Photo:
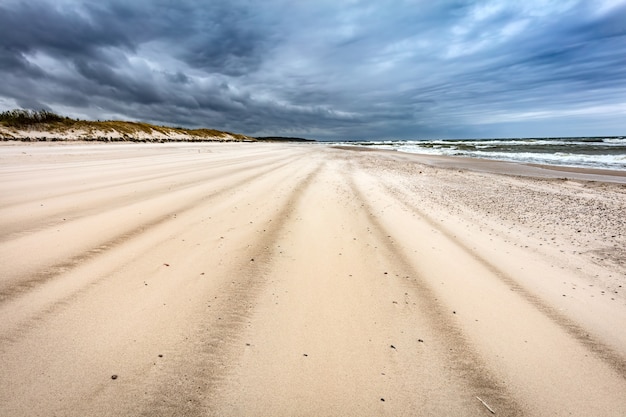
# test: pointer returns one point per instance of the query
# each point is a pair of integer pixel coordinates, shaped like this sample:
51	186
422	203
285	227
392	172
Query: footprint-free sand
305	280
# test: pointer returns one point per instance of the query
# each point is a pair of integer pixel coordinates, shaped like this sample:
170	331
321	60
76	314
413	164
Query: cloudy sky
336	69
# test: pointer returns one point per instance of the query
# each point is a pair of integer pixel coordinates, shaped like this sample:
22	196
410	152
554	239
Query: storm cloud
324	69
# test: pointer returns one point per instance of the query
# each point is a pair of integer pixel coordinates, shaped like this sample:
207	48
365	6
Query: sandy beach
306	280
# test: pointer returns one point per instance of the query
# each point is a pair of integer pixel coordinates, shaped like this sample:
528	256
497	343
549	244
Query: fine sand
306	280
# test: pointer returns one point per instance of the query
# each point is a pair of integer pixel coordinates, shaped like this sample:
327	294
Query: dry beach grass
289	279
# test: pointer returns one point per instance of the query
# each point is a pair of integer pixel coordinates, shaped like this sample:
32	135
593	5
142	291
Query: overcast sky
324	69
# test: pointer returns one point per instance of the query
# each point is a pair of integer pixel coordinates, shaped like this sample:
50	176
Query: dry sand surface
305	280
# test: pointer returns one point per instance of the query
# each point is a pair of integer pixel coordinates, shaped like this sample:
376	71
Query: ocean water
597	152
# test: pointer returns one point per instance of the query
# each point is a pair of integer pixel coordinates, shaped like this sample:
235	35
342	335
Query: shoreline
442	161
505	167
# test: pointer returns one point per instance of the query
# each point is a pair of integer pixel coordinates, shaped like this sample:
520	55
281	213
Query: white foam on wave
579	154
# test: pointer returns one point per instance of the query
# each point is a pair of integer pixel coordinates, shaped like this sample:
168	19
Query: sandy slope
286	280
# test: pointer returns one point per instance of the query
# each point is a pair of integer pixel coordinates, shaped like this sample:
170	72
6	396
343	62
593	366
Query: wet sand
299	279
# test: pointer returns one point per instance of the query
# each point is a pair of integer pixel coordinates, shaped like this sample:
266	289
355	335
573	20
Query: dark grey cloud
324	69
64	31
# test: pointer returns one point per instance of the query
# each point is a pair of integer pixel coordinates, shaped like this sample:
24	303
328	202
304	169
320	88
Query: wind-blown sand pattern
304	280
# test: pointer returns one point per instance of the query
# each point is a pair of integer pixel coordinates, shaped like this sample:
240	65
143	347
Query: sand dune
304	280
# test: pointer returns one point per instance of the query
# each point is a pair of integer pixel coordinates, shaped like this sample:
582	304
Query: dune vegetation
43	125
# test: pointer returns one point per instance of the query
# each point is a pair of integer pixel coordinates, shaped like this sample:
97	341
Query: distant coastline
283	139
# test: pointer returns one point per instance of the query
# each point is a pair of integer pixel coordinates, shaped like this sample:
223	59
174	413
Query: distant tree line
24	118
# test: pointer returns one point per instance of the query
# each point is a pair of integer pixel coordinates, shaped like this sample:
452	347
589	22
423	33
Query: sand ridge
299	279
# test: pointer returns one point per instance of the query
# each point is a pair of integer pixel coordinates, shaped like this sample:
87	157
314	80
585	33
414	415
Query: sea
583	152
